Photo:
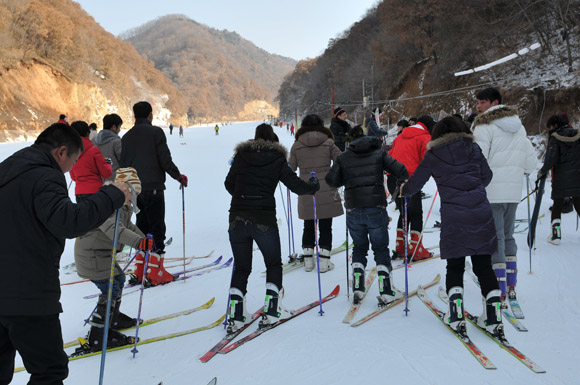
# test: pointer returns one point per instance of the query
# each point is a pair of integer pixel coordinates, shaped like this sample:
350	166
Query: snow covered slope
393	348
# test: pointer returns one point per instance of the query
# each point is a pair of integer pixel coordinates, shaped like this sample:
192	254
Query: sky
297	29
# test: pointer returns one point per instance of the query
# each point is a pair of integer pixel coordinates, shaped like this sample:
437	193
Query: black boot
115	339
358	282
455	316
120	320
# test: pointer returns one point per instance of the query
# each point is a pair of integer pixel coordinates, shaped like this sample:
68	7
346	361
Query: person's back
109	141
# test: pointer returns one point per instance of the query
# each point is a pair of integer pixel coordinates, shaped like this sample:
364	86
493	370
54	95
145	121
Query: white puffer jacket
502	138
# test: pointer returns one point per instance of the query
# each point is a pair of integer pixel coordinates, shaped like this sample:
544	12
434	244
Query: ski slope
312	349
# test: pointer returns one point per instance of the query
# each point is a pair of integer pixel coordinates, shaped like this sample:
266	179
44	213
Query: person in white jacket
499	132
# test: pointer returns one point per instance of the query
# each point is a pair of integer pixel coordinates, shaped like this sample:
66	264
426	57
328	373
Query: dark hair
81	127
111	120
142	110
60	134
62	116
355	132
428	121
403	123
312	120
266	132
448	125
556	120
491	94
93	126
458	116
412	118
565	118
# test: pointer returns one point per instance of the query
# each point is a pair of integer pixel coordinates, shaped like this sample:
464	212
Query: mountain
222	75
403	56
54	59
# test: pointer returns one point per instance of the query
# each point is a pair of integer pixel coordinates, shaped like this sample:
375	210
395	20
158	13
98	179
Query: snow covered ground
393	348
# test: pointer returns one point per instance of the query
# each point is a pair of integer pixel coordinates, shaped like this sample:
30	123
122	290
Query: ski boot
399	251
273	309
416	248
455	316
156	273
387	292
137	276
238	317
115	339
490	320
309	263
120	321
324	260
358	282
556	235
500	272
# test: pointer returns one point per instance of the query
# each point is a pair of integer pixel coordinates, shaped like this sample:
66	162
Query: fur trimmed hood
566	134
260	145
448	138
504	117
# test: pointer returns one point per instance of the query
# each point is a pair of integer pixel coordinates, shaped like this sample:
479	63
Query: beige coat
314	150
94	250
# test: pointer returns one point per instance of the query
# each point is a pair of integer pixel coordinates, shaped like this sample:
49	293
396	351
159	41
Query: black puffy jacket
339	129
563	155
361	170
257	168
37	216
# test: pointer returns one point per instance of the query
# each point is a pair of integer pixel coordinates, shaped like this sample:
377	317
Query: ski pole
424	224
321	312
109	295
287	222
228	303
289	197
145	267
124	269
347	274
183	213
406	238
529	220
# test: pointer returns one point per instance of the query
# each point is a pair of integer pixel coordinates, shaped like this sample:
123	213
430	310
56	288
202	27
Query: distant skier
181	131
461	173
93	255
499	132
62	119
170	129
360	170
217	129
339	127
563	157
258	166
93	131
292	130
314	150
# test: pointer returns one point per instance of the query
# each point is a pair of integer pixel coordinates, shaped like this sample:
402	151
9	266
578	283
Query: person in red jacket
409	148
91	167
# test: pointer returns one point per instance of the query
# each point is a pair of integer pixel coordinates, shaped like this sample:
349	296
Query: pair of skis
225	345
295	263
468	343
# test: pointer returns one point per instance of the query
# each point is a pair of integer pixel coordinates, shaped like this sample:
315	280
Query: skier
409	148
563	156
62	119
361	170
181	131
314	150
373	128
217	129
339	127
38	217
91	168
467	228
292	130
93	254
145	149
257	167
170	129
109	142
502	137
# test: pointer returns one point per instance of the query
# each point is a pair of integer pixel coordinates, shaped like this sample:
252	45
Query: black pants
481	267
242	235
38	339
324	234
559	203
151	218
414	207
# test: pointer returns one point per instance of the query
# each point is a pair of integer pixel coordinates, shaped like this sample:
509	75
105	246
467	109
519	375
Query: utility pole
332	103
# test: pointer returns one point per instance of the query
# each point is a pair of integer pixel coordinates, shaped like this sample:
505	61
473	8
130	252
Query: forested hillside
54	58
219	72
403	56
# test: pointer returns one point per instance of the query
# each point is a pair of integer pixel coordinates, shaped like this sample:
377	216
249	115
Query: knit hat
129	175
338	111
428	121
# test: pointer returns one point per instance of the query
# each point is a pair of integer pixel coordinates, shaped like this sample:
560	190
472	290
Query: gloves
109	161
183	180
314	183
146	244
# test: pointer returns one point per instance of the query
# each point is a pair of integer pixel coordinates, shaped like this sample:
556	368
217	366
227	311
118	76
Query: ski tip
213	381
335	291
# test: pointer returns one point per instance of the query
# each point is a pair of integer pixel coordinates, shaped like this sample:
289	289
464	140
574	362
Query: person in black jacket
37	217
563	155
144	147
339	127
361	170
257	168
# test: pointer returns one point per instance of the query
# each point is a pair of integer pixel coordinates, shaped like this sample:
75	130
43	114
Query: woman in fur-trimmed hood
314	150
258	166
467	227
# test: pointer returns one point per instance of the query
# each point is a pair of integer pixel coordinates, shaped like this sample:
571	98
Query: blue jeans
504	217
242	235
369	223
103	285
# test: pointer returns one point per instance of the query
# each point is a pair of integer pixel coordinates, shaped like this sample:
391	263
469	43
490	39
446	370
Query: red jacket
410	146
89	171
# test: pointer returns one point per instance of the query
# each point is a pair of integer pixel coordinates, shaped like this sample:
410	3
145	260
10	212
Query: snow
393	348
